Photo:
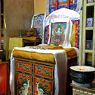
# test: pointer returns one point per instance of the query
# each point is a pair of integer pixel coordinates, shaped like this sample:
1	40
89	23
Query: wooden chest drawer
42	86
43	71
23	84
24	66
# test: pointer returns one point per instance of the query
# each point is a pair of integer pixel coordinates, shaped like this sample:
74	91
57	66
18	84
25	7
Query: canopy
62	13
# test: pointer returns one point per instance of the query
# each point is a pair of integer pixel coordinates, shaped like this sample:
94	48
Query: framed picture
89	22
37	22
89	44
58	33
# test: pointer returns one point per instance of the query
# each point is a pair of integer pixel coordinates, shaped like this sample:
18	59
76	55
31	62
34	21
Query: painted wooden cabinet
33	77
87	33
36	77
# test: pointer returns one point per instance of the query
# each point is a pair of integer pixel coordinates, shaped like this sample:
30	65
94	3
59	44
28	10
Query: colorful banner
57	4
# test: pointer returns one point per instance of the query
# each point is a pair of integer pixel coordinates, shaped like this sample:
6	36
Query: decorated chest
33	77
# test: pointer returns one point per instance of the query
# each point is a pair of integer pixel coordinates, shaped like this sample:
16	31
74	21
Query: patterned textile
75	33
33	55
74	5
57	4
46	35
63	3
37	22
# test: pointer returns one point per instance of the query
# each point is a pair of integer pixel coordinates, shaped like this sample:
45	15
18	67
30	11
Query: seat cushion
4	73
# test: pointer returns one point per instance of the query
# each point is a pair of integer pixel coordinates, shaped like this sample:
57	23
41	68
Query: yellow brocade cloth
47	57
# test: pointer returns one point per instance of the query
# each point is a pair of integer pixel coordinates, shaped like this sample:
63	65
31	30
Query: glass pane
88	59
89	39
89	16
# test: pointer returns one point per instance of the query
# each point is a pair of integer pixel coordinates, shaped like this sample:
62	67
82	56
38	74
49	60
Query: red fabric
4	79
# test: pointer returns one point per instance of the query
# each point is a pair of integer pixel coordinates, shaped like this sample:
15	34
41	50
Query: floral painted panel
58	33
43	71
24	67
42	86
23	85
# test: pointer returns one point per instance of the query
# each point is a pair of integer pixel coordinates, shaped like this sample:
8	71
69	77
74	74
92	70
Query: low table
79	90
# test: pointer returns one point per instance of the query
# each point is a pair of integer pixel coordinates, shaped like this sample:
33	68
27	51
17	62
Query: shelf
90	4
87	39
88	51
89	28
80	90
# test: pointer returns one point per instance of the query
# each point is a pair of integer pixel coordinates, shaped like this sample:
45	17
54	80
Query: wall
18	14
40	6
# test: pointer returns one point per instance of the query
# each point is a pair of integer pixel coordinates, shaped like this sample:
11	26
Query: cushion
4	73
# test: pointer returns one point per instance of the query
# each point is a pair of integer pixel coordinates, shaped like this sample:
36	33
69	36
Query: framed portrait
58	33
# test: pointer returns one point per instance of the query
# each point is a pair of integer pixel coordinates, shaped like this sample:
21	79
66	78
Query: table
79	90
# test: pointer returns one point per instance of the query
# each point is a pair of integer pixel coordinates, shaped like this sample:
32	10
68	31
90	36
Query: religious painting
38	24
58	33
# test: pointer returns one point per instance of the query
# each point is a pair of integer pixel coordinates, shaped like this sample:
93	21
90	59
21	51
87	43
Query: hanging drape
57	4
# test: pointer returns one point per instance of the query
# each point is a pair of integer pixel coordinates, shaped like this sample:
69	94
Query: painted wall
40	6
